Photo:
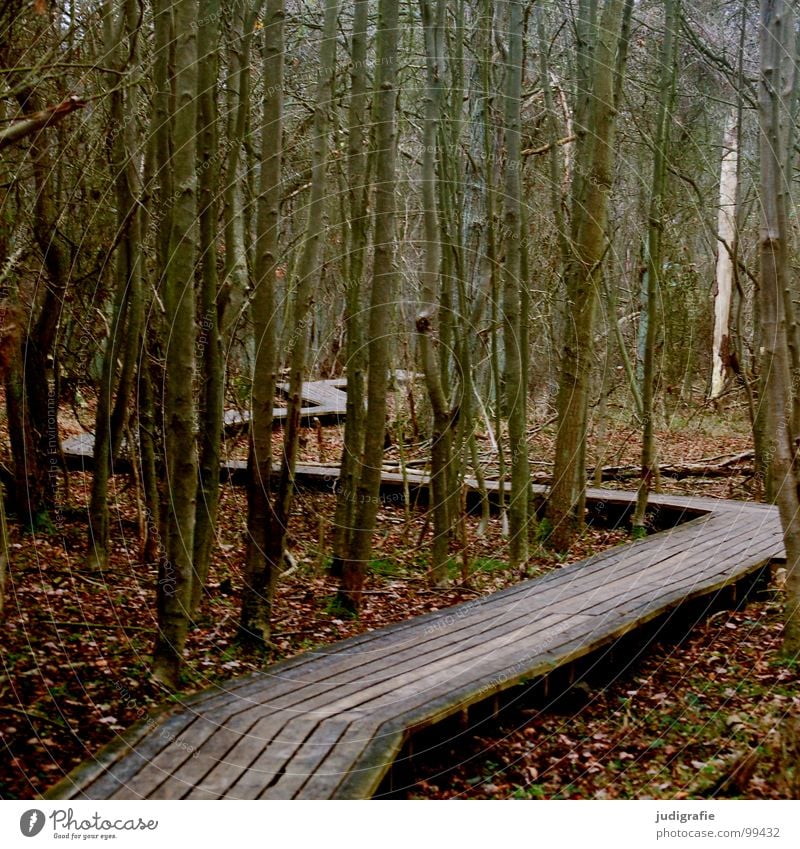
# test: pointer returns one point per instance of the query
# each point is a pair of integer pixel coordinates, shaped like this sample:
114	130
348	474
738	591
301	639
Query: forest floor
77	645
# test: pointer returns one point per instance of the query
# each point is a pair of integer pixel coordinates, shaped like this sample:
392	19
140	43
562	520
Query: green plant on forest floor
336	610
385	568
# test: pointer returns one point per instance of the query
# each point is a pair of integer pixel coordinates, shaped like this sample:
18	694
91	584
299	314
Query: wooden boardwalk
325	400
330	723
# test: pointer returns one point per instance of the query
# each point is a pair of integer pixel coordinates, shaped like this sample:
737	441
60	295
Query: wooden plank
213	737
374	760
330	774
572	588
309	756
159	738
74	784
258	766
218	731
294	731
376	770
174	778
318	393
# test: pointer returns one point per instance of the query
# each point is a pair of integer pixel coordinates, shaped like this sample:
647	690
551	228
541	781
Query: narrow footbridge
330	723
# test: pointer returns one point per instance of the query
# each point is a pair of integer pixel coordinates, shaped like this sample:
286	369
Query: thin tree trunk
34	406
515	379
726	232
234	285
655	232
176	573
261	574
29	479
357	194
5	321
309	275
124	329
384	282
148	453
594	160
441	436
4	559
212	385
777	40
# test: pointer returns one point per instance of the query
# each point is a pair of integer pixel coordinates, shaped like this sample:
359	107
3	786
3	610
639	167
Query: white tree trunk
726	234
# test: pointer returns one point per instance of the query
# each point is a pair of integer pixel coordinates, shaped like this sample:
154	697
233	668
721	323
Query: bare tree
261	574
514	332
433	22
209	343
121	47
777	66
357	226
176	570
653	251
600	44
384	282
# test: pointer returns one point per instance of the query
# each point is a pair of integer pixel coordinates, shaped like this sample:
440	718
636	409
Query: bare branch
39	120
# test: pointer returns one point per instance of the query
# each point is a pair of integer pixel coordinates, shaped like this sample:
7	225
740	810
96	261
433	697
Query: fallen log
732	464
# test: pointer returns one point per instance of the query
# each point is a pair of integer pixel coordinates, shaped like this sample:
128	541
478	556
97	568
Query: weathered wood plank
330	722
322	784
309	756
269	763
454	640
495	649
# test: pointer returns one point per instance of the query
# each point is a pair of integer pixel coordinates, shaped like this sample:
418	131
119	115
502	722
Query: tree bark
516	395
31	401
433	21
234	284
209	343
38	121
176	573
655	232
309	276
384	282
261	574
357	194
4	559
594	160
726	233
126	318
777	42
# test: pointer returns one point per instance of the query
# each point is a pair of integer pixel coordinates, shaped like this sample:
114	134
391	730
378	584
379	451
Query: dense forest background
517	230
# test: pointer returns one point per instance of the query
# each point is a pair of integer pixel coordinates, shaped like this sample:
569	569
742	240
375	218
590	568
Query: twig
102	625
546	148
30	714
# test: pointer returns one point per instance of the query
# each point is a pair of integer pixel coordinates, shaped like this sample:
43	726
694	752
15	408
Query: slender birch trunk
726	237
